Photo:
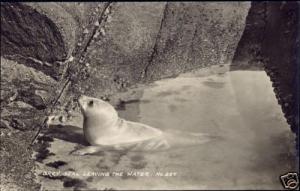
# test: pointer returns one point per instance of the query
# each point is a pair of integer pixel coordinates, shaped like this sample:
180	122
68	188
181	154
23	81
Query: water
254	145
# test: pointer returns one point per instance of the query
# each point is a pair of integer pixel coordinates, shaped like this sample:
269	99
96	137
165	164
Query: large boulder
194	35
31	38
147	41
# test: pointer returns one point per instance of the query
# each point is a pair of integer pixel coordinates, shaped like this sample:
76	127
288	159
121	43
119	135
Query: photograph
149	95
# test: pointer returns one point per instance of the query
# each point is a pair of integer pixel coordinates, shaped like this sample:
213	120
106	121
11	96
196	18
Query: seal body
102	125
104	130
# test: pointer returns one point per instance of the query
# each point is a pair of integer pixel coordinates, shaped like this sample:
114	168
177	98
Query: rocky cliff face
130	45
280	47
270	42
121	43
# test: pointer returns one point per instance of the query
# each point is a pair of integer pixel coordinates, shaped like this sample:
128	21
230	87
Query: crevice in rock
95	28
154	51
248	54
75	68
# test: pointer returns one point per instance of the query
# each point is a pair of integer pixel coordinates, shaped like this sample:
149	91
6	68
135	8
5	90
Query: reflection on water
254	148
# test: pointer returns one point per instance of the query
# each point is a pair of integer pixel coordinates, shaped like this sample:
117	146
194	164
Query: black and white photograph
162	95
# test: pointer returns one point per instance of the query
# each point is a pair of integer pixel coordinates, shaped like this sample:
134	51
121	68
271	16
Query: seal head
100	119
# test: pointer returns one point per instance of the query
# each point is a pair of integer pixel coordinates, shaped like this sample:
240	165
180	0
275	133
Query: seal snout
82	101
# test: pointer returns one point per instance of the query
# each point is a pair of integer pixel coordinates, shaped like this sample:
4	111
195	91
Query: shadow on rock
67	133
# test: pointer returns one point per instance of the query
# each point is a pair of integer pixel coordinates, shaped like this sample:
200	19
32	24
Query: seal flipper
97	148
87	150
155	144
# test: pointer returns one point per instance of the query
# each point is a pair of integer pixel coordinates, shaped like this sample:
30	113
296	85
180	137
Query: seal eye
91	103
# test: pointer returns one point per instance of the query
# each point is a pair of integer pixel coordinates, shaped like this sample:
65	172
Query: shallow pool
252	148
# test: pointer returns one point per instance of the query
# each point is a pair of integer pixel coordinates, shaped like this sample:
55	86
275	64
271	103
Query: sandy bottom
254	145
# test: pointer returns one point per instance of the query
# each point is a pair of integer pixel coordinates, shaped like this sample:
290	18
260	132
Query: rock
20	104
86	31
265	22
42	41
102	31
281	54
4	124
160	40
97	23
195	35
156	39
124	46
31	92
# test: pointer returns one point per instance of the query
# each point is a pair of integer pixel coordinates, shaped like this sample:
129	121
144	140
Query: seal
104	130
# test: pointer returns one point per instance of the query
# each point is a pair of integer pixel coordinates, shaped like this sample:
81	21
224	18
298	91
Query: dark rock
281	53
72	182
45	139
56	164
30	38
